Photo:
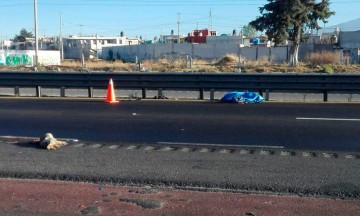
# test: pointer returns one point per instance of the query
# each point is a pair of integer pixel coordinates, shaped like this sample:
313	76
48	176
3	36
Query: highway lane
154	145
314	126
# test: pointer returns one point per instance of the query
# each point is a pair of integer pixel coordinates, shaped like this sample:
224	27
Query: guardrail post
201	94
160	93
62	91
325	96
90	92
38	91
212	94
143	92
17	91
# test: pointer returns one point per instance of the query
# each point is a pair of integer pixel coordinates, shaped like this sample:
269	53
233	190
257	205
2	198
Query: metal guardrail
317	83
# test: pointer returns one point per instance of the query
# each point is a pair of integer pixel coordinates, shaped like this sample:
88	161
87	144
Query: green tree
23	35
249	31
287	20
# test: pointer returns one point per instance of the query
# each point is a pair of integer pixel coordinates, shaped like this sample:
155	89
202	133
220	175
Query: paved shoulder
327	174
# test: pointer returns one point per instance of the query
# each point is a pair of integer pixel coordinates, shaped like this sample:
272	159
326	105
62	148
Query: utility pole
2	41
97	47
61	40
36	34
161	37
210	20
178	27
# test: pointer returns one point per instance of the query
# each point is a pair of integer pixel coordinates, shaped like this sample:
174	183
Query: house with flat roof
200	36
91	46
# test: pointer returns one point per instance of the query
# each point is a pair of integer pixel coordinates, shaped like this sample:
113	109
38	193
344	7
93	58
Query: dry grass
323	58
167	65
229	64
107	66
260	62
228	60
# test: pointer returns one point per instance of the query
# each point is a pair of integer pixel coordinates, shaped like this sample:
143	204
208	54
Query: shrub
323	58
328	69
228	59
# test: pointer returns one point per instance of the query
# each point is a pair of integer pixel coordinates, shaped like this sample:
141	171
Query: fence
262	83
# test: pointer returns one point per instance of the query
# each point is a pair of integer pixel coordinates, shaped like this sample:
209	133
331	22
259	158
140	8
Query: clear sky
146	18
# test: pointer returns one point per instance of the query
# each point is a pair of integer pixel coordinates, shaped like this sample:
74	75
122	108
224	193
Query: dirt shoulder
39	197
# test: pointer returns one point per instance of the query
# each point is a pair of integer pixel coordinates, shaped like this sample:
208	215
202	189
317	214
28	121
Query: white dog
49	142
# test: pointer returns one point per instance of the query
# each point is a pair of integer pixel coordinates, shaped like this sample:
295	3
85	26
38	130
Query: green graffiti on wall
14	61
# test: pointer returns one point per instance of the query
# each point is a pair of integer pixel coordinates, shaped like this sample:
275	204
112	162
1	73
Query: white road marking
221	145
326	119
23	137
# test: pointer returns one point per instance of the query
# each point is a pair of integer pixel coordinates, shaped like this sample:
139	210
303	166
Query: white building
49	43
225	39
75	46
238	39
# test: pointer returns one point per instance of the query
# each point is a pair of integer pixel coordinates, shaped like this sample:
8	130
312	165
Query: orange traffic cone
110	98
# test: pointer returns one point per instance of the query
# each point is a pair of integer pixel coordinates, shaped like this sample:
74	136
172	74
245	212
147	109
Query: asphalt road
172	143
197	168
311	126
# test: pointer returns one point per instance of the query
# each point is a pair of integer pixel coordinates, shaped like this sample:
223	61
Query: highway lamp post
36	36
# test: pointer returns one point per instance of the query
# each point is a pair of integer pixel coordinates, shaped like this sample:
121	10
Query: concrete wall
349	39
208	51
350	56
306	49
280	54
15	58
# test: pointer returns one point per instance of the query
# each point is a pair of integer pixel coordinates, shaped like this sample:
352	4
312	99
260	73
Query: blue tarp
242	97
